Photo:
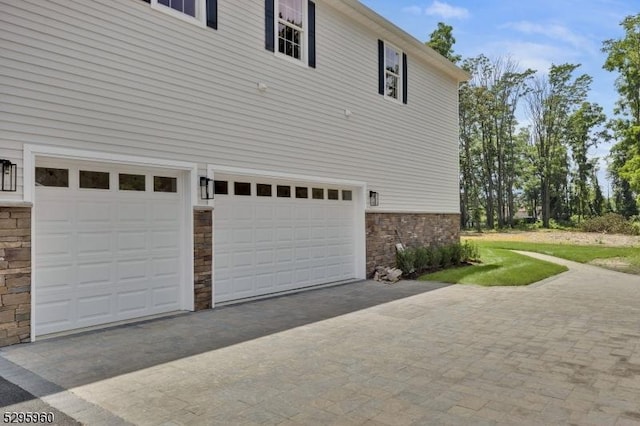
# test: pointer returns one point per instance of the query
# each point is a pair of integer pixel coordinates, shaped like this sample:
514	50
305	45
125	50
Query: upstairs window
392	72
188	7
290	27
199	12
392	79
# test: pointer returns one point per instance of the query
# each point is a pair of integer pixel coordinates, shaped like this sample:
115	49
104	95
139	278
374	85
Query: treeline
540	167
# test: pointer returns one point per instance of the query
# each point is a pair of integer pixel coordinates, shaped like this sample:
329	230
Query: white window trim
399	75
199	20
304	43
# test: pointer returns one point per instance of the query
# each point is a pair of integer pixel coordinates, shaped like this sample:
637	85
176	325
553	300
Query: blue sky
534	33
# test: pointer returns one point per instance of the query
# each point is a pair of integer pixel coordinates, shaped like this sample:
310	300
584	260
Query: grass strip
500	267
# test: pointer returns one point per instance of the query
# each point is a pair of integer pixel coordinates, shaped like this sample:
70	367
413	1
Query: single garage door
273	236
107	244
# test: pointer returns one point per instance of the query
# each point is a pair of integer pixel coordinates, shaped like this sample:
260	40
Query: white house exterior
113	111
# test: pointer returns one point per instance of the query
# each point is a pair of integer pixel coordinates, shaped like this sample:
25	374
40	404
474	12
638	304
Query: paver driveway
563	351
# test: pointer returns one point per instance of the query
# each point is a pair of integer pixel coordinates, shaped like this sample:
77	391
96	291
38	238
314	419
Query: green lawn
502	267
581	254
499	267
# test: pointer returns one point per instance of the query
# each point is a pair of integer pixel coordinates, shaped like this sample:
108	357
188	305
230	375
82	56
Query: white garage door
274	236
107	244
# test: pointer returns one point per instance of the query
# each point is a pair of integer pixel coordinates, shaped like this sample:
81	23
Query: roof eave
396	35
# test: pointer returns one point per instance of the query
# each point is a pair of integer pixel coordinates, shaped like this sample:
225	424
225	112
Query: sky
534	33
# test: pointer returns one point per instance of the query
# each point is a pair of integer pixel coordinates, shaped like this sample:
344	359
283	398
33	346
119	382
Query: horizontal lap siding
120	77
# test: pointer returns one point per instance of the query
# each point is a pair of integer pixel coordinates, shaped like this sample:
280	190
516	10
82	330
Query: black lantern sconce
9	176
206	188
374	199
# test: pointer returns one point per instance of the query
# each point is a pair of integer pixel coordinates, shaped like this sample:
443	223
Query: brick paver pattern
564	351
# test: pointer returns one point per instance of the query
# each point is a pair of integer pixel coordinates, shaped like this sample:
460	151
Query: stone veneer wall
15	275
202	257
413	229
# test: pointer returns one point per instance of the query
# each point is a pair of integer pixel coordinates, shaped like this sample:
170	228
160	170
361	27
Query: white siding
117	76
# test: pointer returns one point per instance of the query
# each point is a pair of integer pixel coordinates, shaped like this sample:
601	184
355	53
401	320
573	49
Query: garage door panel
284	234
165	266
243	234
93	243
263	234
161	239
165	212
59	314
94	274
283	213
54	244
55	278
284	278
164	297
132	301
132	213
134	269
57	213
94	308
93	212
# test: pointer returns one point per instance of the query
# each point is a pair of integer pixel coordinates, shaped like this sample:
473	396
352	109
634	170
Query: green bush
422	259
412	261
436	256
470	252
445	256
610	223
455	251
405	261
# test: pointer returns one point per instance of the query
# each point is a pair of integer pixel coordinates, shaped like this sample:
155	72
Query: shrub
610	223
405	261
422	259
445	256
436	256
470	252
455	252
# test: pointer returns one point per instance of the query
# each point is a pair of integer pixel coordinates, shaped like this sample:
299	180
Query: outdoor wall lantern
374	199
9	178
206	188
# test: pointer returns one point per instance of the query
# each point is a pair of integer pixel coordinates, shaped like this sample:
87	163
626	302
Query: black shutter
405	82
381	67
147	1
269	34
212	14
312	34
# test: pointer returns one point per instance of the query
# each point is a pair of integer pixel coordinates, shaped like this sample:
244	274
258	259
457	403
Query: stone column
202	256
15	274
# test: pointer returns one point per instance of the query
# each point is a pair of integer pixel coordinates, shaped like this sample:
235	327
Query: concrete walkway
563	351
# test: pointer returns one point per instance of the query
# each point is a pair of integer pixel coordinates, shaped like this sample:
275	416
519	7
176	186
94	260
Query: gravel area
558	237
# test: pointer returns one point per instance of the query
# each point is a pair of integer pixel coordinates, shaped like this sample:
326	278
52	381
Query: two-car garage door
108	244
272	236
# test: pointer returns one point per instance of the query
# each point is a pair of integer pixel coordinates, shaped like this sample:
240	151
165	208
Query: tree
441	40
550	103
491	151
581	137
623	57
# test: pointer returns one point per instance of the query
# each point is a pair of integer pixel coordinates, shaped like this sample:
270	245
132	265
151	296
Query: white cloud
537	56
413	10
554	32
446	11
